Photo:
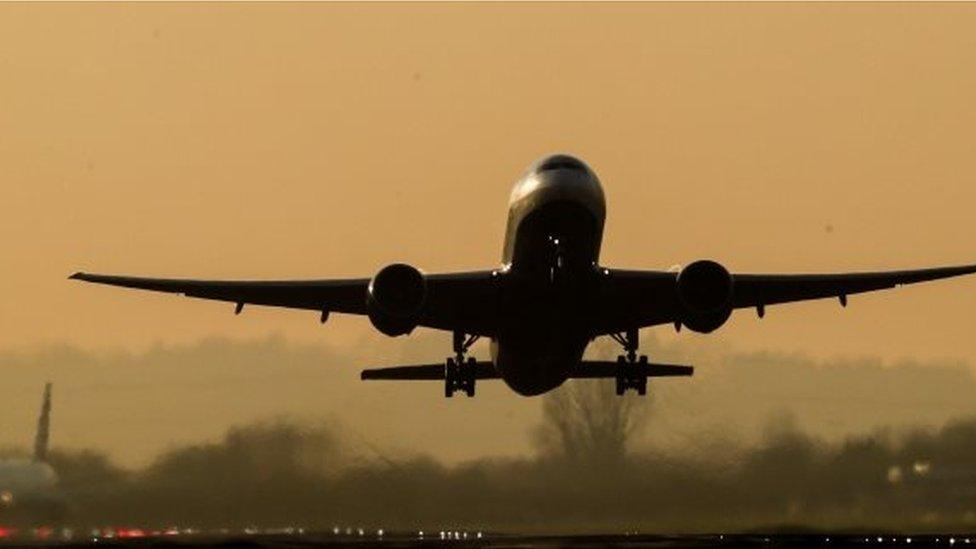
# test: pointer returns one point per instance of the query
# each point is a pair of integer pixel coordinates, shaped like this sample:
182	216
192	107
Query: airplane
549	298
28	486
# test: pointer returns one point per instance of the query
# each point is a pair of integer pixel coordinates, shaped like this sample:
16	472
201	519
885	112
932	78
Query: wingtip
77	276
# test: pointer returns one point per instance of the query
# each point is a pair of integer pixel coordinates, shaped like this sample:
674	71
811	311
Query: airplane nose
559	178
559	162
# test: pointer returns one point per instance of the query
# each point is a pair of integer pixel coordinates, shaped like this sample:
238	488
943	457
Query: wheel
470	389
450	377
621	381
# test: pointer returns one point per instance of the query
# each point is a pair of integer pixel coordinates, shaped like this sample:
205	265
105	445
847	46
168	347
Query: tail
43	427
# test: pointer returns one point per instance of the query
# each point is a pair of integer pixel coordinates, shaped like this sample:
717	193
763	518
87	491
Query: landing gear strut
631	369
459	371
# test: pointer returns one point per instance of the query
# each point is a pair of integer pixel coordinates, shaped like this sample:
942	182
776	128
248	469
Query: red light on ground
6	532
129	533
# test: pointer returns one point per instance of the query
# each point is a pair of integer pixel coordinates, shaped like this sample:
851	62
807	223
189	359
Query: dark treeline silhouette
583	478
134	406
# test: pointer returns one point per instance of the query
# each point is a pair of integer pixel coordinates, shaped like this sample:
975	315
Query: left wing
646	298
753	290
456	301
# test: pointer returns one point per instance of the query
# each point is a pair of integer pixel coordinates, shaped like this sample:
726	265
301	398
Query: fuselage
550	261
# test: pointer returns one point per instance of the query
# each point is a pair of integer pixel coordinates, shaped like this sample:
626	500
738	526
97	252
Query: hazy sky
317	140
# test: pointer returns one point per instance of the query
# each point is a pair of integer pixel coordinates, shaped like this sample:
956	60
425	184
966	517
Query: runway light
479	536
126	533
921	468
379	532
908	540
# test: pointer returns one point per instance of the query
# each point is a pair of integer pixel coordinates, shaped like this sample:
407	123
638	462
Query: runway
406	540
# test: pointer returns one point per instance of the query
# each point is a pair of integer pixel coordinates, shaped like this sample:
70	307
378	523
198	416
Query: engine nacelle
395	299
705	293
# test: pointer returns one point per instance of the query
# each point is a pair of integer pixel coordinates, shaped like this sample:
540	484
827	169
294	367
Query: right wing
455	301
341	296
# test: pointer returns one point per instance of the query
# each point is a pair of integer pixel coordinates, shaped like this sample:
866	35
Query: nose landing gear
631	369
459	371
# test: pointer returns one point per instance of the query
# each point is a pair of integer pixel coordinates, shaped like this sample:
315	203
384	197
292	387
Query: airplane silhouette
549	298
29	491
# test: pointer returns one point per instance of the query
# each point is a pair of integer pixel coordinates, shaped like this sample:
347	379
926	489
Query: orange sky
316	140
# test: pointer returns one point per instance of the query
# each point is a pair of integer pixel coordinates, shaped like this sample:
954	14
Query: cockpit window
561	162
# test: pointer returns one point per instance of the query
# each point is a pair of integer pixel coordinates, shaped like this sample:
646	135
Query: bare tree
585	421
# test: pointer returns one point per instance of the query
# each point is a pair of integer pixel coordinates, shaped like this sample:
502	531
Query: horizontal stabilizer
427	372
589	369
594	369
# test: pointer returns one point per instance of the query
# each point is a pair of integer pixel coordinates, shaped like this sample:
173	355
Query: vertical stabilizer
43	427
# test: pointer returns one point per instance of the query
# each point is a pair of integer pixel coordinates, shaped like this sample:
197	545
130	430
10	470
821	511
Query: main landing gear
459	372
631	369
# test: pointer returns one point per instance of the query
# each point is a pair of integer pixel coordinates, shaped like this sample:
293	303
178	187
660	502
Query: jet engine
705	293
395	299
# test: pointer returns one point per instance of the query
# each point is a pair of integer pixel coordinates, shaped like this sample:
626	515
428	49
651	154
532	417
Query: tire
450	377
